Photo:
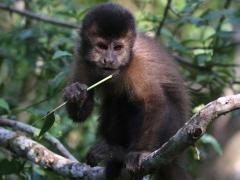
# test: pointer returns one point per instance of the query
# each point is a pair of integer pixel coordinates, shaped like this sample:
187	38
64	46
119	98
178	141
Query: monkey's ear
131	34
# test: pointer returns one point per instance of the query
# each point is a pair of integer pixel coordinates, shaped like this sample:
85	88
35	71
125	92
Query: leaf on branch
58	54
26	34
208	139
4	105
49	120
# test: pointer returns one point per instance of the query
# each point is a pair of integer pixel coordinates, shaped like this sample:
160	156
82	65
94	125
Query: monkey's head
107	37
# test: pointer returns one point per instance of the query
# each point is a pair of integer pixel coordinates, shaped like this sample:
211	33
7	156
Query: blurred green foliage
35	60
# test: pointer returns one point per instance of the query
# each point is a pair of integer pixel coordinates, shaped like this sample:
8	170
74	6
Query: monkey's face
109	55
107	36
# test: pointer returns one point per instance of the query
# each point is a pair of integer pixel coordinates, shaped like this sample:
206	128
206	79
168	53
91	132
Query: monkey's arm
79	101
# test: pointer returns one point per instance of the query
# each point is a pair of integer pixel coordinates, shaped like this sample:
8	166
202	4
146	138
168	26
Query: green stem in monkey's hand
50	116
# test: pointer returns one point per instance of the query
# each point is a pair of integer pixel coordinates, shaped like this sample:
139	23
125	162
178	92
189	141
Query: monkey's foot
99	152
134	159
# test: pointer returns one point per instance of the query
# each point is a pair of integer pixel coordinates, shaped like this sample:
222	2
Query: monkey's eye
118	47
102	46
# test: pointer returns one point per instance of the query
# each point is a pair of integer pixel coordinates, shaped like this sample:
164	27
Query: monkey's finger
81	87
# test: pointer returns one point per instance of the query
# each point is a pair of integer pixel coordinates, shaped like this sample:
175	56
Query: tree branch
37	153
219	26
190	132
34	131
38	17
158	32
185	137
187	62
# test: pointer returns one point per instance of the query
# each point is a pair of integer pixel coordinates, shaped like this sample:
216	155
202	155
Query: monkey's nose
108	61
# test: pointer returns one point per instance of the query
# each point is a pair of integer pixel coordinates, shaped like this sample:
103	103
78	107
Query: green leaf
198	108
196	153
201	78
208	139
175	45
202	59
4	105
58	54
211	14
57	83
225	34
10	167
193	20
49	120
166	33
26	34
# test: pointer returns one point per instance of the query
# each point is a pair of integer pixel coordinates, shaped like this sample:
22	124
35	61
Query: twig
219	26
158	32
38	17
226	6
208	67
34	131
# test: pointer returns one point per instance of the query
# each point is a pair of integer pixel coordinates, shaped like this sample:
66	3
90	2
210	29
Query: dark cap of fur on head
111	20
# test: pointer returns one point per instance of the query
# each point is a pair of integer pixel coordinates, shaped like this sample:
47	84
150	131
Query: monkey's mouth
107	71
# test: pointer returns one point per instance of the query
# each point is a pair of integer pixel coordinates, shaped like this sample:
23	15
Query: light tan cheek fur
95	56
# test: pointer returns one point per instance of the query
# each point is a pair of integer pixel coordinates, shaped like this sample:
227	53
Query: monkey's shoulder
151	59
147	45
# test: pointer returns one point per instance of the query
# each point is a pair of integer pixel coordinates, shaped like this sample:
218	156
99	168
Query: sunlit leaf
198	108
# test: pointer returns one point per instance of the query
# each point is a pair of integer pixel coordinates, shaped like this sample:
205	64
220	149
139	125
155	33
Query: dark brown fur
142	106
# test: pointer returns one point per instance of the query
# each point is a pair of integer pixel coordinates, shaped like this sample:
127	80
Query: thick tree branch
38	17
185	137
17	125
190	132
37	153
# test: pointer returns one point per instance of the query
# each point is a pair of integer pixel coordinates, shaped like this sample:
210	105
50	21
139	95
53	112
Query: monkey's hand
75	93
134	159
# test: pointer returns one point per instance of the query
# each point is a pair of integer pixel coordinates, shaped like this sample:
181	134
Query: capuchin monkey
143	105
